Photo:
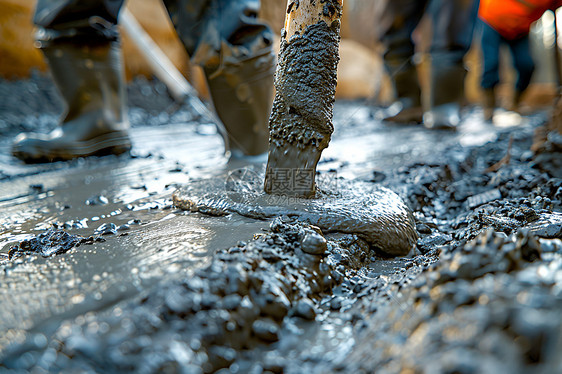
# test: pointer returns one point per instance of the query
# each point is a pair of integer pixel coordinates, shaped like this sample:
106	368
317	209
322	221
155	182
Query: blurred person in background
81	43
452	31
508	22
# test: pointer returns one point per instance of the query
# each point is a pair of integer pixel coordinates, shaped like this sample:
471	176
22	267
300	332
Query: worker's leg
490	42
399	19
524	64
453	25
235	50
80	43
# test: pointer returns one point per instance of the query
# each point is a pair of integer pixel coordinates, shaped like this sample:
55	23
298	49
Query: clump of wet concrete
374	213
488	305
209	319
49	243
454	202
491	302
57	241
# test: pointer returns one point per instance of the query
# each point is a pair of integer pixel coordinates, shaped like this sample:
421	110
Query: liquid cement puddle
374	213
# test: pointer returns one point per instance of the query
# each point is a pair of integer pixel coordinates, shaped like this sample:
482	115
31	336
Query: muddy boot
242	93
446	91
90	80
488	104
408	92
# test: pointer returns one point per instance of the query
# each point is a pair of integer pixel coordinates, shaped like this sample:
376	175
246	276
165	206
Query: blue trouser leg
490	41
523	61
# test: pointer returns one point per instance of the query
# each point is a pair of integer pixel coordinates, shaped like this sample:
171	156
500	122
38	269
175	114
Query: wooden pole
300	124
165	70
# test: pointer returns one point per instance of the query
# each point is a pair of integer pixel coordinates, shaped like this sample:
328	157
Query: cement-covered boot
446	91
488	104
90	80
242	93
408	93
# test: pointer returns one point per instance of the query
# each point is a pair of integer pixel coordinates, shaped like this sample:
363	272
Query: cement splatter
374	213
49	243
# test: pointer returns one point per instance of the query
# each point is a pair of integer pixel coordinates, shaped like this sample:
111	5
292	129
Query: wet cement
374	213
300	125
489	305
237	302
477	295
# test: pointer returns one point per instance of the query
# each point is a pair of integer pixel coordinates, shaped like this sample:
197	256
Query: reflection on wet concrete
363	143
163	244
101	274
83	195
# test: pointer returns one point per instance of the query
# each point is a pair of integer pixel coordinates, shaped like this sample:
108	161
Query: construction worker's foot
402	113
446	117
90	80
60	145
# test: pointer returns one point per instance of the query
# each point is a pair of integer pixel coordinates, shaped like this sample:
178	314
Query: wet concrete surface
157	289
376	214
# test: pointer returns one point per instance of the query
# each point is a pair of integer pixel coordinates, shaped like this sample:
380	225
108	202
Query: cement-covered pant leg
79	21
235	50
398	20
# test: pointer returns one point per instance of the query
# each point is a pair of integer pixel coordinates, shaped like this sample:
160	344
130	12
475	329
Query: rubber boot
488	104
446	91
90	80
408	92
242	93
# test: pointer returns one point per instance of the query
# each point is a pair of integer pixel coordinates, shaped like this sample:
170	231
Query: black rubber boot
446	92
90	80
242	93
407	91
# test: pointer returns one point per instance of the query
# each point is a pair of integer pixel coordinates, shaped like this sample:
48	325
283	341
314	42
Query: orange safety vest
513	18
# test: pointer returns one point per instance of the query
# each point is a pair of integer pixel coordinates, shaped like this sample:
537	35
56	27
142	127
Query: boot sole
108	144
